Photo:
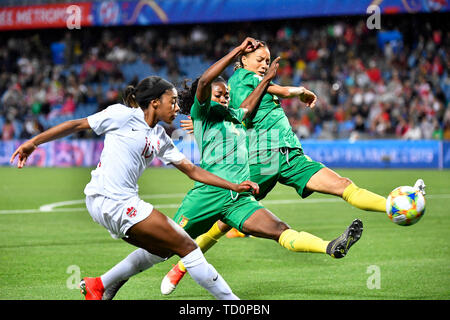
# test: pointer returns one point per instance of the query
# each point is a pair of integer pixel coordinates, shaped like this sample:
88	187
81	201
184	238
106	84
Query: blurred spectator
31	128
446	127
68	106
8	130
413	131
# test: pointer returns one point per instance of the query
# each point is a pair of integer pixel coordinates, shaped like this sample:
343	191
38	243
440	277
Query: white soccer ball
405	206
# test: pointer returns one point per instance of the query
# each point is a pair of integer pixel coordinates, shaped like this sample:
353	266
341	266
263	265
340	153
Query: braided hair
186	96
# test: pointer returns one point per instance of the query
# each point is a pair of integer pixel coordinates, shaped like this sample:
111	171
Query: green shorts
204	205
290	167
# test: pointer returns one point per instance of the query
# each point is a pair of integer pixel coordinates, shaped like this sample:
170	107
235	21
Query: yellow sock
302	242
364	199
206	241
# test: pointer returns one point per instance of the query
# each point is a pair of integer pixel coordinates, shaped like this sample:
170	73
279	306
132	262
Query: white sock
137	261
205	275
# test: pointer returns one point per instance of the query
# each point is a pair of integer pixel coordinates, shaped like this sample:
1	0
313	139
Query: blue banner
150	12
375	153
154	12
335	154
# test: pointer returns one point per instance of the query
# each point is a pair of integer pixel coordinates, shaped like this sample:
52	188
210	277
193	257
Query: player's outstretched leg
262	223
329	182
339	247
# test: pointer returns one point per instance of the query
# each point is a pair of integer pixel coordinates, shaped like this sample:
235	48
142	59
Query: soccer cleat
171	280
111	291
92	288
339	247
420	185
235	233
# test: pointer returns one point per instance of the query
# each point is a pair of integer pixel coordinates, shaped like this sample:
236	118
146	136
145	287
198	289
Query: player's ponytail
148	89
129	97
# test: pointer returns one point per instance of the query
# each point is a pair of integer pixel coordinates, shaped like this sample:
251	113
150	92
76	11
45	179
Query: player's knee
185	247
340	185
345	182
280	228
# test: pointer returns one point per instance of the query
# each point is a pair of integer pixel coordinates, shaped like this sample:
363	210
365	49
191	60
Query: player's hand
272	72
247	186
187	125
308	97
24	151
248	45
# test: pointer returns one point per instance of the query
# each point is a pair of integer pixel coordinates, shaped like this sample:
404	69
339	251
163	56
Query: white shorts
117	216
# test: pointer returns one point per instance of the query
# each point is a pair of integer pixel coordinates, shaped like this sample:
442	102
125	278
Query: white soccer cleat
166	286
171	280
420	185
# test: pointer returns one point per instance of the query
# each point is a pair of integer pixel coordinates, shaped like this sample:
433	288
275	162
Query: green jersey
269	127
221	139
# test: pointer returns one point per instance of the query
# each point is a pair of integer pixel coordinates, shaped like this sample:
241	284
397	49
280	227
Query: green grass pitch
42	252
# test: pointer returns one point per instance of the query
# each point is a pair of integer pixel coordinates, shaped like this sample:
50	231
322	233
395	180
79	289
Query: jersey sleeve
112	118
169	153
200	110
236	115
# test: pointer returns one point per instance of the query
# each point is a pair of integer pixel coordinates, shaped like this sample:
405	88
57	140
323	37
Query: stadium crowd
367	87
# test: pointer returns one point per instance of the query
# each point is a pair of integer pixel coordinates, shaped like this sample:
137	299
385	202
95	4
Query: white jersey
130	146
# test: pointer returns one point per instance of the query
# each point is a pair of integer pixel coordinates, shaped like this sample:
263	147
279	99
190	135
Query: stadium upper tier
393	82
16	15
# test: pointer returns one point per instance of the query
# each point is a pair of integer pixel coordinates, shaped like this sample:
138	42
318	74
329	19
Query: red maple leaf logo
131	212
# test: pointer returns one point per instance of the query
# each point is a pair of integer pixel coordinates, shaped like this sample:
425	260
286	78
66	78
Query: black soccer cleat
339	247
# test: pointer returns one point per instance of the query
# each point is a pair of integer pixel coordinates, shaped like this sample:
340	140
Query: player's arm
204	83
59	131
253	100
198	174
250	103
304	94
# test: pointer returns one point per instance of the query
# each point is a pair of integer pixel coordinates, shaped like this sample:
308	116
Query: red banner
68	15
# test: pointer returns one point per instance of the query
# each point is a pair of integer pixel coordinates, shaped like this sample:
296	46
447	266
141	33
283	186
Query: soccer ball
405	206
